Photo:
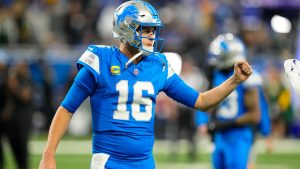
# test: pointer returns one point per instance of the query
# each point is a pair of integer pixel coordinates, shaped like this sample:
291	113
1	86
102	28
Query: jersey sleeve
201	118
91	60
82	87
178	90
255	80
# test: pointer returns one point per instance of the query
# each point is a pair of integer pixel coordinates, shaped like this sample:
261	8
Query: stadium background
50	35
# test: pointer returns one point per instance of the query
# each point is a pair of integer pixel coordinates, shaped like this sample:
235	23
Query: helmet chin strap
132	59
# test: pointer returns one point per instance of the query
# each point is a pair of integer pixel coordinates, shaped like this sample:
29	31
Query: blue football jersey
233	105
123	102
233	145
201	118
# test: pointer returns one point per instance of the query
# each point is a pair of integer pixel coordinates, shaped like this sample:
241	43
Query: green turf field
265	161
74	154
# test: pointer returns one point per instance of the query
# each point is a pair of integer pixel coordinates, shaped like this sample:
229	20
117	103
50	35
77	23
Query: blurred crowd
42	39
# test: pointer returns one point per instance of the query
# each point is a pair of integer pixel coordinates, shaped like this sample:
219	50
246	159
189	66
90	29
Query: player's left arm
210	98
252	115
252	107
181	92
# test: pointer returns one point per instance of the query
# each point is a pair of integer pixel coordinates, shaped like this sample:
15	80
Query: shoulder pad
166	62
91	60
170	71
92	57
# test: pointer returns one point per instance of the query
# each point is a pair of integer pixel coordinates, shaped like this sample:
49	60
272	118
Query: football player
232	122
292	69
122	84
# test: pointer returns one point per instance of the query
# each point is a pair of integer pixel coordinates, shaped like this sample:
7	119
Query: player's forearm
212	97
57	130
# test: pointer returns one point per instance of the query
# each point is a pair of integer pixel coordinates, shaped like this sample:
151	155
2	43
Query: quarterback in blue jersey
122	84
244	108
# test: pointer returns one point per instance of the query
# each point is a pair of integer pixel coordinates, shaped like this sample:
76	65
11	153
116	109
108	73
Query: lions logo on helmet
225	50
130	17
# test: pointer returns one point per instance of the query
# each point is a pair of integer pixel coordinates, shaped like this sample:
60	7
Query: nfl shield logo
136	71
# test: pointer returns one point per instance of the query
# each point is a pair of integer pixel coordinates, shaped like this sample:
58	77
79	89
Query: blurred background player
123	84
232	121
15	109
279	96
5	102
292	69
19	123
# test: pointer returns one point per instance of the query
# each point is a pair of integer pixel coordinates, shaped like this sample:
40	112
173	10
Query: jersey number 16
122	113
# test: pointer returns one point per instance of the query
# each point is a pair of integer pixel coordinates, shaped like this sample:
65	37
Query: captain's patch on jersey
115	70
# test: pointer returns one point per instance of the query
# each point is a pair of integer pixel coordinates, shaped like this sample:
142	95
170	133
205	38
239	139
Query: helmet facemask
157	45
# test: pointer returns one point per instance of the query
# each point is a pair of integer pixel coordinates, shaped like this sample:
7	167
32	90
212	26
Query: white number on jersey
229	107
121	113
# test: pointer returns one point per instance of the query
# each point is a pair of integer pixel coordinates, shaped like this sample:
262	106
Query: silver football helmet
130	17
225	50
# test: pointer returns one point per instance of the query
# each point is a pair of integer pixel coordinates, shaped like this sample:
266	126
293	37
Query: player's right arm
83	86
58	128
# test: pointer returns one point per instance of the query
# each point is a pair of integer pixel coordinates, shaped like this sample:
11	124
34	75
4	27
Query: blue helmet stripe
224	45
151	9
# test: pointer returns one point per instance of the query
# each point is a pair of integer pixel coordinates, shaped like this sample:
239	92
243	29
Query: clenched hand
242	71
